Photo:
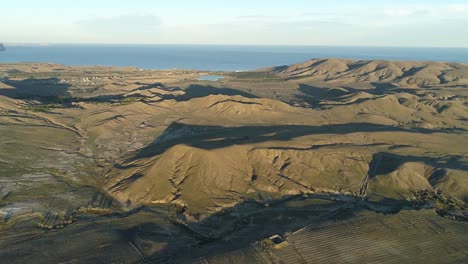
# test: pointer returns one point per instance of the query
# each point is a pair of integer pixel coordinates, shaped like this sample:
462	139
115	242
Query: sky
412	23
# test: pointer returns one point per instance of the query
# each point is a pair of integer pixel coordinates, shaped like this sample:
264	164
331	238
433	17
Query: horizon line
225	44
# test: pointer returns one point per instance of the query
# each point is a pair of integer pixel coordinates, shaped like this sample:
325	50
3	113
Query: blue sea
216	58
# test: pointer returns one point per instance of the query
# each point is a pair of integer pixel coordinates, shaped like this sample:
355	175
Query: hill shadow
197	91
315	95
389	88
250	222
213	137
38	89
193	91
164	233
52	90
385	162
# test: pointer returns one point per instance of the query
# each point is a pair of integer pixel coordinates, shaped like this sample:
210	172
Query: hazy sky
435	23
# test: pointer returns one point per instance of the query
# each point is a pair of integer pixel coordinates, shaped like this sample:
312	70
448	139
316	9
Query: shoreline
216	58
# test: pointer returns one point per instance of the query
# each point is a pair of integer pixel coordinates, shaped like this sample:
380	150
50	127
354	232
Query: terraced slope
368	237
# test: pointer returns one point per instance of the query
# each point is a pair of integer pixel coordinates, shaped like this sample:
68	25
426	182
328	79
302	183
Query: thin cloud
295	18
457	8
255	17
405	12
125	25
427	10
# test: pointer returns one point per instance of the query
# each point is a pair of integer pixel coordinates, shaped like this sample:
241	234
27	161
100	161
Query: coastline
216	58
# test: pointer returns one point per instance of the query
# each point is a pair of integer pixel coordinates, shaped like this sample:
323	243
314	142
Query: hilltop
400	73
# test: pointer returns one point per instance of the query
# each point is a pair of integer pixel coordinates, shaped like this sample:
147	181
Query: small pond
213	78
